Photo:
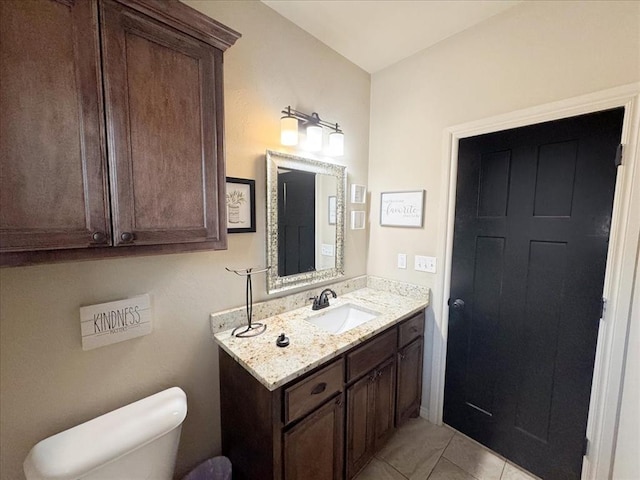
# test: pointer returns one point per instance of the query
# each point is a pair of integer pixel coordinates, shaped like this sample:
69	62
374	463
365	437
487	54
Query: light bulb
314	138
336	144
288	130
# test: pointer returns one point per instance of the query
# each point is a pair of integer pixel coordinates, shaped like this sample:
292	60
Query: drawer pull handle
319	388
414	329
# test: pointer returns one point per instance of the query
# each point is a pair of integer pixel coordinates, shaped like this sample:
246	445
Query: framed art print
241	205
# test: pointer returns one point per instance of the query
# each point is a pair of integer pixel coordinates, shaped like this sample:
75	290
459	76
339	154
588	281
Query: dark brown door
52	175
313	449
409	381
533	212
162	112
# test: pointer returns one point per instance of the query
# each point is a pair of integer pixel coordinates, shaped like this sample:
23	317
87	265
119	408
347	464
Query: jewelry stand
252	329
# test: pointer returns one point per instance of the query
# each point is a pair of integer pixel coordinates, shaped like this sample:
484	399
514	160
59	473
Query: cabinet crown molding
186	19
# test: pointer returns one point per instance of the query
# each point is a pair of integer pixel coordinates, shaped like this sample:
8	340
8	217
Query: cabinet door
313	449
164	125
52	173
409	381
359	427
384	403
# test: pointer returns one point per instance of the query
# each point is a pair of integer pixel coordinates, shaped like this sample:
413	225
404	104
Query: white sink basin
342	319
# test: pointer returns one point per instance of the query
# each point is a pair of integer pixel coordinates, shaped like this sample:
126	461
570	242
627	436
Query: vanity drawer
371	354
304	396
411	329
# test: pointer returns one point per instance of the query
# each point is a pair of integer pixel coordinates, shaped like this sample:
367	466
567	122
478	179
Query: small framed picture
241	205
357	220
401	209
358	193
332	210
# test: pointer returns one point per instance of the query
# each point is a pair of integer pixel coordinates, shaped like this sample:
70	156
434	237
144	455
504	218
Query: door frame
608	372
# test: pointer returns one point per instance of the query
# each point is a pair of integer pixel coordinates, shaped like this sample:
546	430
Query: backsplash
234	317
399	288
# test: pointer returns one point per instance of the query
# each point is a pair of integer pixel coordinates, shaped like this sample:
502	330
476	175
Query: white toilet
137	441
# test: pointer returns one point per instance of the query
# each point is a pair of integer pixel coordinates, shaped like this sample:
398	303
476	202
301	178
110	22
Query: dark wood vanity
328	423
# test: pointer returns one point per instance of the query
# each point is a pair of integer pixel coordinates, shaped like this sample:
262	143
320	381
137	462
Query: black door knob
458	305
126	237
99	237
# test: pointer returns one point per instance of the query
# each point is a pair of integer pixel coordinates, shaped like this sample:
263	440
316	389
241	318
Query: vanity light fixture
313	125
288	128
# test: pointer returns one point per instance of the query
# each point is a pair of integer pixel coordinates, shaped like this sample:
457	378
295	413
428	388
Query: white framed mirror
305	221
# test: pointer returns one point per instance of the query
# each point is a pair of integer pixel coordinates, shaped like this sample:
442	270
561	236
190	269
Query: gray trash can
216	468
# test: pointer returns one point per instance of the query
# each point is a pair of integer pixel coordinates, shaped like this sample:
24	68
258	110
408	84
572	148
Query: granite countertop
310	346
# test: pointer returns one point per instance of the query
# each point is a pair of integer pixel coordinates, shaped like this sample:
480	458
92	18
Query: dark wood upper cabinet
150	177
161	119
53	192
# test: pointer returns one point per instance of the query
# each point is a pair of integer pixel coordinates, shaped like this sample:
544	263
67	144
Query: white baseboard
424	412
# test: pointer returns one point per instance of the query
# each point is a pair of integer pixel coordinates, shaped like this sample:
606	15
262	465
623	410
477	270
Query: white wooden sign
401	209
113	322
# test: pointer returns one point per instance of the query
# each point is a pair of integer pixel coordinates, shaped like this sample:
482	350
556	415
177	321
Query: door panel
385	402
359	434
162	110
296	222
52	184
313	449
409	381
533	212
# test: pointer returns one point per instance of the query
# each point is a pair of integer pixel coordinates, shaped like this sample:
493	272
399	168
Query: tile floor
421	450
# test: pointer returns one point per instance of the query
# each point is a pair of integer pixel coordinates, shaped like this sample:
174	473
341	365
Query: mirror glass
305	221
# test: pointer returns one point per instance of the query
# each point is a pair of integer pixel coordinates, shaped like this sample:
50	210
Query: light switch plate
425	264
327	250
402	260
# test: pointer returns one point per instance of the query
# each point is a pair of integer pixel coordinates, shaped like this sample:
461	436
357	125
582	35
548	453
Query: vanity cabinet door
313	449
409	381
370	415
52	188
359	427
384	403
163	102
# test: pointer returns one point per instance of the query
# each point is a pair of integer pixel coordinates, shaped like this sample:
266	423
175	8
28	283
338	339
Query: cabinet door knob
339	402
126	237
99	237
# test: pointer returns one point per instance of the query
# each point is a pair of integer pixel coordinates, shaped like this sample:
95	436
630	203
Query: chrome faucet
322	300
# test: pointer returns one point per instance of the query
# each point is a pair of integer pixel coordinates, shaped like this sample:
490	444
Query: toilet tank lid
75	452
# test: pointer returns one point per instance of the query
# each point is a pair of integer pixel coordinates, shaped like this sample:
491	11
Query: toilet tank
137	441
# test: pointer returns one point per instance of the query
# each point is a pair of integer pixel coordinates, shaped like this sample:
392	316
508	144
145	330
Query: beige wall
626	465
47	383
535	53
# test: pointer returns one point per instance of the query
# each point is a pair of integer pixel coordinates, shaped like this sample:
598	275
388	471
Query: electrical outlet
425	264
402	260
